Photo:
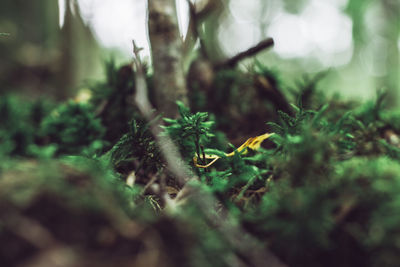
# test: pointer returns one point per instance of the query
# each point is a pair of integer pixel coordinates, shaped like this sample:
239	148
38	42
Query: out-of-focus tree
28	50
390	30
38	57
387	29
166	49
80	57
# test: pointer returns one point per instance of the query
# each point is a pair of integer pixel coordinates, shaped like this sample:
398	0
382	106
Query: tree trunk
80	53
167	56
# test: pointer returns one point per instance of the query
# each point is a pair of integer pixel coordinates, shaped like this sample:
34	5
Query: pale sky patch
321	31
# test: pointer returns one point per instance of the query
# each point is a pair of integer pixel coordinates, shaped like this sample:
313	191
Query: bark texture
167	56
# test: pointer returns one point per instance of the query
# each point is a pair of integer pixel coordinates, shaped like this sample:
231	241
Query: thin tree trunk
389	29
80	53
167	56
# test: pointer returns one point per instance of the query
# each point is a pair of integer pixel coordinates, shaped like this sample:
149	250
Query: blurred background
55	47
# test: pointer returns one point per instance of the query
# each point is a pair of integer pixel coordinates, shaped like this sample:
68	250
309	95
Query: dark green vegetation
78	180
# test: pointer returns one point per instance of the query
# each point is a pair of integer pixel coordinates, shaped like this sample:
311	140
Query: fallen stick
245	246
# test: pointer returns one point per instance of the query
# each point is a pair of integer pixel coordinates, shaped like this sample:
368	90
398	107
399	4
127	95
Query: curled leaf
252	143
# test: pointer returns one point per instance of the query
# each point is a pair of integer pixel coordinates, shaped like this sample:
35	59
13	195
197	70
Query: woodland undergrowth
87	176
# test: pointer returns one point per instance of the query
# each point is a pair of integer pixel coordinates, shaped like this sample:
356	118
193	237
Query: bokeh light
321	30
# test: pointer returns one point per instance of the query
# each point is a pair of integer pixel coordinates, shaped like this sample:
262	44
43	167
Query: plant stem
197	144
204	157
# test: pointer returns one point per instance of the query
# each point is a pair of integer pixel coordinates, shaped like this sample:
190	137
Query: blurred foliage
337	222
322	186
190	132
321	192
40	129
136	145
84	182
328	179
244	97
20	124
73	126
113	99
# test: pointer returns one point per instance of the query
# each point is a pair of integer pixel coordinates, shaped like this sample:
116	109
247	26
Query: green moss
72	126
322	191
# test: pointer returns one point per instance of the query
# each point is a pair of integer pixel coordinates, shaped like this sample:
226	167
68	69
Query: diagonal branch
245	246
233	61
168	149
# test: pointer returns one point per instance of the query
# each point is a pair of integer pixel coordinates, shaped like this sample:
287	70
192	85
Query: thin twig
153	179
168	149
195	19
233	61
246	247
31	231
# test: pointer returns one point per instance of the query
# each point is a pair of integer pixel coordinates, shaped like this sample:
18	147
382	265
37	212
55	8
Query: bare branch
246	247
232	62
168	149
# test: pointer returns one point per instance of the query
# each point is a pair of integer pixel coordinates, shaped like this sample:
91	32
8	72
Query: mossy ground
323	191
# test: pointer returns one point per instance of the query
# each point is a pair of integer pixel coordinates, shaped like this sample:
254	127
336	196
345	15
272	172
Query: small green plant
72	127
323	193
191	131
138	145
20	122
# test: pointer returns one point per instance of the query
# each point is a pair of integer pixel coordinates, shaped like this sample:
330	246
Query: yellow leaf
253	143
